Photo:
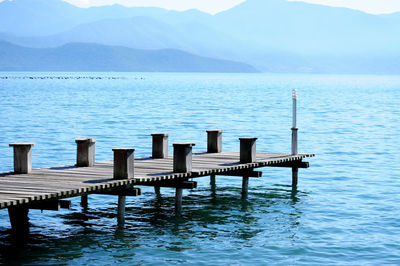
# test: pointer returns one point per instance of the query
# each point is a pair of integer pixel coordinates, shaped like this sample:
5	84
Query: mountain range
265	35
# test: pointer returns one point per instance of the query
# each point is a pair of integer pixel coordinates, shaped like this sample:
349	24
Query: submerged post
85	151
183	157
295	170
22	157
178	201
121	210
160	145
19	220
123	163
214	140
245	187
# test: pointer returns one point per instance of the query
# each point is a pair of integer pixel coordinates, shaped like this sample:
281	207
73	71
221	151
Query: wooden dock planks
69	181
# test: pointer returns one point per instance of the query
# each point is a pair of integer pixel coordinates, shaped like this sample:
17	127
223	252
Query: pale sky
214	6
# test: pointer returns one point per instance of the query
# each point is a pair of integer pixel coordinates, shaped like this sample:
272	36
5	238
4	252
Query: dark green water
345	211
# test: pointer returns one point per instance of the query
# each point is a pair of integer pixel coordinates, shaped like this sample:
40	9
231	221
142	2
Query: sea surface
346	210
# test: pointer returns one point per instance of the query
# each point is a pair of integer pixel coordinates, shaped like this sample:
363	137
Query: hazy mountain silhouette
272	35
95	57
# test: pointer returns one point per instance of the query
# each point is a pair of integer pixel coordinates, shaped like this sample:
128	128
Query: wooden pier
45	188
26	188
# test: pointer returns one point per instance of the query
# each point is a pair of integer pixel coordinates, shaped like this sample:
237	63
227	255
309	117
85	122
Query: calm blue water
346	209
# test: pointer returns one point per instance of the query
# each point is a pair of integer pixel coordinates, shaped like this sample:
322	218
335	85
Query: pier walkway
70	181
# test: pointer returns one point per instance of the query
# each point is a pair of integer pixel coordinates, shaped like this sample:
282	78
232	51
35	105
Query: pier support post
121	210
123	163
295	176
160	145
123	169
22	157
157	191
178	201
182	164
183	157
85	152
214	140
19	220
84	202
212	180
245	187
247	155
247	150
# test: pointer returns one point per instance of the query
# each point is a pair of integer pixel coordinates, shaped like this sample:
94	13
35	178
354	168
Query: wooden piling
247	150
295	177
212	180
160	145
22	157
245	187
121	210
182	157
214	140
178	201
123	163
85	152
19	220
84	202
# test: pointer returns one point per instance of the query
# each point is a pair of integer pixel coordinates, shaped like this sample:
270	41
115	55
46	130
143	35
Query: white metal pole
294	124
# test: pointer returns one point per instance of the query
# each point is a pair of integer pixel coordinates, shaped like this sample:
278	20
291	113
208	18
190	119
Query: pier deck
70	181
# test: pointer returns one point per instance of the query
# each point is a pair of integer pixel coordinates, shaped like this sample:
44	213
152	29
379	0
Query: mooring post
123	163
214	140
85	152
183	157
247	150
22	157
123	169
182	164
214	145
159	150
295	170
19	220
160	145
247	155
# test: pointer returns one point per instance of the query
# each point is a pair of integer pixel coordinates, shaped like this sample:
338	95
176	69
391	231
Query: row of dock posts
124	166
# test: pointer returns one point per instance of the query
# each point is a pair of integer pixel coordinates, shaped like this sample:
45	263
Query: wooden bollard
247	155
123	163
214	140
247	150
85	152
22	157
182	164
160	145
183	157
